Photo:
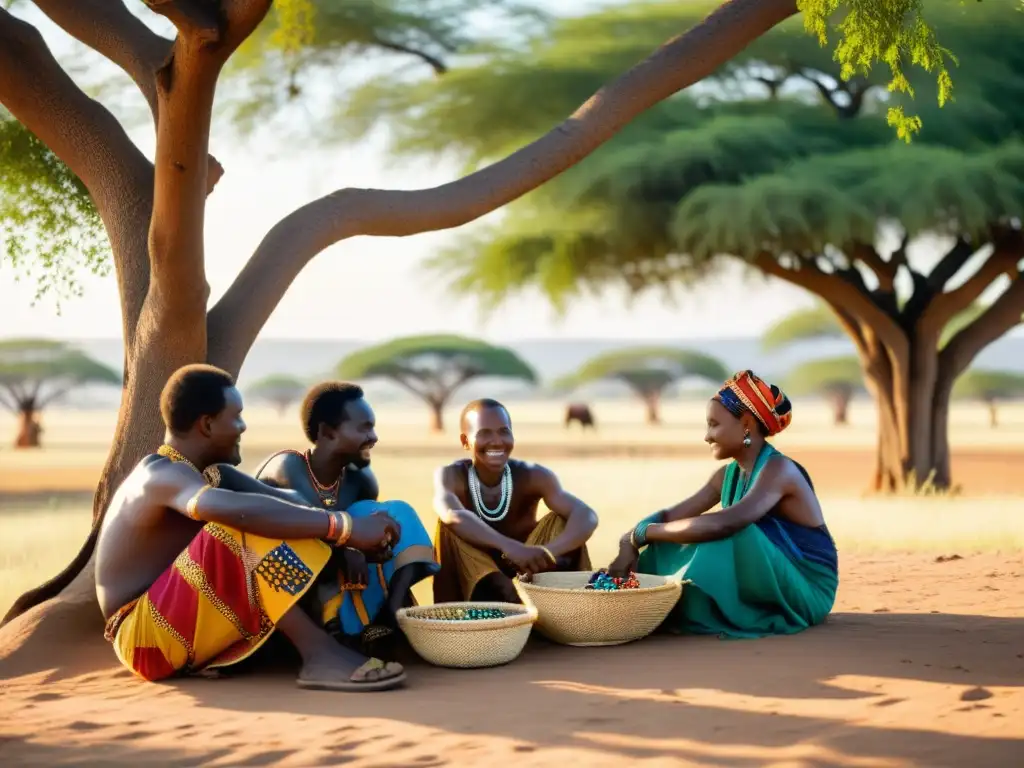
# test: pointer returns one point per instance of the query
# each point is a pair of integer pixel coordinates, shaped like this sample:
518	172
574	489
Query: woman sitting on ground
763	565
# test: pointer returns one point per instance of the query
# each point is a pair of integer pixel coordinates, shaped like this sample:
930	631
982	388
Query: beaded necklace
211	473
328	493
504	502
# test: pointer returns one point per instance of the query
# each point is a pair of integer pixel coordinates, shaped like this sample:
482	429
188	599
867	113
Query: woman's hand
626	560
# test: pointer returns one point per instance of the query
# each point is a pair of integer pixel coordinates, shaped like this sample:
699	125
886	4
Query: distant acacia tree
36	372
279	389
648	371
990	387
434	367
836	378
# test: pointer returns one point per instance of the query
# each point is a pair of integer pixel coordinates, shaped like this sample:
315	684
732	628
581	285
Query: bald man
488	529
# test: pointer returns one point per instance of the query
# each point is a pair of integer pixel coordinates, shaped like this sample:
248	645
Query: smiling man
193	576
357	595
488	529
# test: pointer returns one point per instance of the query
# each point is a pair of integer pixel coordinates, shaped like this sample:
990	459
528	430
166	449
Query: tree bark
910	378
29	429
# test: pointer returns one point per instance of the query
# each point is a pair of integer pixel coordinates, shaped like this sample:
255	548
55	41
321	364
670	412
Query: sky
377	288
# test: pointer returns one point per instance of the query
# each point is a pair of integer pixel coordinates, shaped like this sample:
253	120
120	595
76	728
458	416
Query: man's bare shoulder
281	469
453	475
160	472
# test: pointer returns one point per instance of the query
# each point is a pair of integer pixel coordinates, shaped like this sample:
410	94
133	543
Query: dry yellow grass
41	528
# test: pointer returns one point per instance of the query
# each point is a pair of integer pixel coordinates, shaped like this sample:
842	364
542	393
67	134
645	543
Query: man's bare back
138	539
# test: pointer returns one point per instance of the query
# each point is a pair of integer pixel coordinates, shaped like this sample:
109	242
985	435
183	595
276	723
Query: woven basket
569	614
467	644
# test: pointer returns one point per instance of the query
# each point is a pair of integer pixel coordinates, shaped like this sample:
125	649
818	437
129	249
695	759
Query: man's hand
353	566
625	561
529	560
374	533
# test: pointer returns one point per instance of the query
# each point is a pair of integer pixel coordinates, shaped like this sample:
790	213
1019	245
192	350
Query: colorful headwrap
746	392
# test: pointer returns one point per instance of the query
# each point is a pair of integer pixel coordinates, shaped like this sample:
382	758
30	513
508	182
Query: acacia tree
836	378
991	388
778	162
153	211
279	389
434	367
36	372
647	371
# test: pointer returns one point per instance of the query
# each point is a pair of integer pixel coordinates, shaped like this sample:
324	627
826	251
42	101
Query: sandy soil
922	665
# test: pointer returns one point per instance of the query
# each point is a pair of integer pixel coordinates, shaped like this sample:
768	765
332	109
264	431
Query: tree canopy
434	367
36	372
835	378
648	371
990	387
280	389
780	163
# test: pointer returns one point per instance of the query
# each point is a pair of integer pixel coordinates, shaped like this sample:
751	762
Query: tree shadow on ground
736	703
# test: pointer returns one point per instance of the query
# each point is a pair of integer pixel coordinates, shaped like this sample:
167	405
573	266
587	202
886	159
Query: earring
746	437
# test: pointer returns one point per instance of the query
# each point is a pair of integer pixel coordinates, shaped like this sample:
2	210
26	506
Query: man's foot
344	670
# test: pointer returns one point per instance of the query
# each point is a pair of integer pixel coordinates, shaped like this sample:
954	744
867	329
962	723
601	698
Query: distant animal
581	413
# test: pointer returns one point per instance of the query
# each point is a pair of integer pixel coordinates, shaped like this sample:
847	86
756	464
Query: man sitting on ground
353	600
192	577
487	508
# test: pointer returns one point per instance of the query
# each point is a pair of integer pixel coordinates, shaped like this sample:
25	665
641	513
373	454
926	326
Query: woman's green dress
774	577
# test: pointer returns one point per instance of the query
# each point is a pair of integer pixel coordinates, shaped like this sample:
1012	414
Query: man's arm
774	482
175	486
464	523
232	479
580	519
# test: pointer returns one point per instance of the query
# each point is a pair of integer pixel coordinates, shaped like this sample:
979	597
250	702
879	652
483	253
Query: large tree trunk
29	428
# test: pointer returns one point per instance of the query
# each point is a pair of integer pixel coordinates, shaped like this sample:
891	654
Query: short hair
483	404
325	404
191	392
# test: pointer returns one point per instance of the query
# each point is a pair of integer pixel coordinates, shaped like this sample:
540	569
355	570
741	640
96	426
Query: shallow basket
467	644
569	614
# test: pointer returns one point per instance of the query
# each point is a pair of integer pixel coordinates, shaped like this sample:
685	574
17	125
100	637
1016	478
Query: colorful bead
601	580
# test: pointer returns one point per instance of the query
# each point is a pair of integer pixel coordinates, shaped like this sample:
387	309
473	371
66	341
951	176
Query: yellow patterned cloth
216	604
463	565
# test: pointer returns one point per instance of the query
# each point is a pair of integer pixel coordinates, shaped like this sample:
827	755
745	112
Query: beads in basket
466	614
603	581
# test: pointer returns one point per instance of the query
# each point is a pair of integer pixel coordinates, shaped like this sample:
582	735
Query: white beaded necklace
482	510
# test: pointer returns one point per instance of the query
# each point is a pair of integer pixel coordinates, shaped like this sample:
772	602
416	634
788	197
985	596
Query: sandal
390	675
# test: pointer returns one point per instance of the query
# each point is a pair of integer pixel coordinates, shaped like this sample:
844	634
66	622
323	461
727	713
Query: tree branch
109	28
207	36
945	306
433	62
92	143
1001	316
238	317
950	264
884	271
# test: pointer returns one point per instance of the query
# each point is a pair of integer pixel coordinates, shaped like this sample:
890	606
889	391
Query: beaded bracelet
346	529
339	528
638	536
191	508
